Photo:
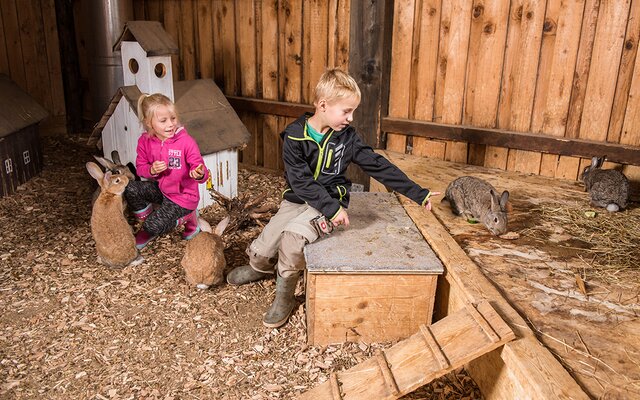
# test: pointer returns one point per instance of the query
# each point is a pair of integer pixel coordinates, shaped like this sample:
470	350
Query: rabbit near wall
476	199
115	243
203	259
607	188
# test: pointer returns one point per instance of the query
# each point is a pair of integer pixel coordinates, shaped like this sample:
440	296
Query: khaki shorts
291	217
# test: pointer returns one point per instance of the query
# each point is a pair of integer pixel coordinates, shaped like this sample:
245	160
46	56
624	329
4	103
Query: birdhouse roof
150	35
17	109
203	110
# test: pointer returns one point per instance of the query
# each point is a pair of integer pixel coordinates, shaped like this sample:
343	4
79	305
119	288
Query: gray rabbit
608	188
476	199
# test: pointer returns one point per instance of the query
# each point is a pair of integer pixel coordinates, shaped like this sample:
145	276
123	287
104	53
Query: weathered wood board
429	353
537	280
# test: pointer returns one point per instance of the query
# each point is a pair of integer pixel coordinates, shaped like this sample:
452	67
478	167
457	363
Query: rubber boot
141	215
191	228
143	238
245	274
284	302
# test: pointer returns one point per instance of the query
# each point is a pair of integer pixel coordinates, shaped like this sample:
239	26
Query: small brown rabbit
203	260
476	199
608	188
115	167
115	243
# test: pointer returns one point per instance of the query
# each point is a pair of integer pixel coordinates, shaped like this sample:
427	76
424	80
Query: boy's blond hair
335	84
147	105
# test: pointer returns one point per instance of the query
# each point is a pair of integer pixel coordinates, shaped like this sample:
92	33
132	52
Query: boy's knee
259	262
291	255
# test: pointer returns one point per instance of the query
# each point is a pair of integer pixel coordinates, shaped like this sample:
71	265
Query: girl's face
338	114
164	122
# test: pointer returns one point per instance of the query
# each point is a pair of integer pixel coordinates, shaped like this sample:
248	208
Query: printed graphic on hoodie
174	159
332	159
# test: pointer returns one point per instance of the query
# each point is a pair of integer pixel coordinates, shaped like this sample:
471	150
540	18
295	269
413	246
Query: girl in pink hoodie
171	161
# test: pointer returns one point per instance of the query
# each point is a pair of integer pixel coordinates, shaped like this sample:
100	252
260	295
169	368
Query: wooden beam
270	107
515	140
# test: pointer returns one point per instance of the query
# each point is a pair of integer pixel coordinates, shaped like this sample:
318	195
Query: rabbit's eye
495	220
118	181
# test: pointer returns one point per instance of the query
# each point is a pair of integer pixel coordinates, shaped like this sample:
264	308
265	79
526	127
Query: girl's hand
197	173
157	167
427	205
341	219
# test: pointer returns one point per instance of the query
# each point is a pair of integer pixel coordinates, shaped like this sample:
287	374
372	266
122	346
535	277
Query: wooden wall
29	52
561	68
261	49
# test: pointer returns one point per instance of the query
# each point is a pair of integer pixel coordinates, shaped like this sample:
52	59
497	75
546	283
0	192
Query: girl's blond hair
335	84
147	105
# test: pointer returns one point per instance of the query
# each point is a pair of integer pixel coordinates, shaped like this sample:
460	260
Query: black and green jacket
315	173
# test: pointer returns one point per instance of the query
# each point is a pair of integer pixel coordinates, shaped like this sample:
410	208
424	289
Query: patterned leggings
139	194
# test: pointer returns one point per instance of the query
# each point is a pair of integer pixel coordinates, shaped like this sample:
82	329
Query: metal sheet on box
381	239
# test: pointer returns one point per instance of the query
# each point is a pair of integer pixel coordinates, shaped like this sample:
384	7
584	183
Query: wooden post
70	68
369	62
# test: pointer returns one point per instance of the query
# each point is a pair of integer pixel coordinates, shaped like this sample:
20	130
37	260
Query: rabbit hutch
406	302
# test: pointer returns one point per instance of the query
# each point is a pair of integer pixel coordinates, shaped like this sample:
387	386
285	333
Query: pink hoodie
182	155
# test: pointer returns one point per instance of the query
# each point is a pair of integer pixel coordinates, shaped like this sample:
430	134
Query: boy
317	150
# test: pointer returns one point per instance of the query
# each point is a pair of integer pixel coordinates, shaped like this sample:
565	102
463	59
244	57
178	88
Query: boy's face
164	122
338	114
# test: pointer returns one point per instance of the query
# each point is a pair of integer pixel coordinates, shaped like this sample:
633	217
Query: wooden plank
263	106
335	387
551	114
314	61
605	59
630	133
342	46
524	367
487	41
218	28
171	13
4	58
53	57
205	39
526	141
583	63
410	363
625	74
246	48
423	74
531	33
450	82
138	11
229	56
154	10
435	348
332	33
401	61
14	47
269	58
290	18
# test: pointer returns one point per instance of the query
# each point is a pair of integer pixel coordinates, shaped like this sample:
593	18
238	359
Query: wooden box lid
381	239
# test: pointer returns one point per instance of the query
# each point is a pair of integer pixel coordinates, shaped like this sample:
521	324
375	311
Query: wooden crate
375	281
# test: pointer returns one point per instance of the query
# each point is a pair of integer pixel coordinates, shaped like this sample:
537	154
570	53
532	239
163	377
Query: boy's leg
291	263
264	250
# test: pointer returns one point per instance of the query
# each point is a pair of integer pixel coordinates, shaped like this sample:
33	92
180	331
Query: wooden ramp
430	353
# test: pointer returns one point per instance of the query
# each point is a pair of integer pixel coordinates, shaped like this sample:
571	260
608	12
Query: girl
171	160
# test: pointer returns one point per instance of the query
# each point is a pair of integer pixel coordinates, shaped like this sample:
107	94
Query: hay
607	243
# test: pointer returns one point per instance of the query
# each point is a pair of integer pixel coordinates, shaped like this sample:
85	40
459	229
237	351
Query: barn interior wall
566	69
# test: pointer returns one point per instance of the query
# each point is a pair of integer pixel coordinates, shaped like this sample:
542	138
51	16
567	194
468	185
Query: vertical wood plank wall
265	49
561	68
30	53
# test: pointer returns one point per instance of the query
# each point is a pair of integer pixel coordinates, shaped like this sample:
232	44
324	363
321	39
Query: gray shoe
284	302
245	274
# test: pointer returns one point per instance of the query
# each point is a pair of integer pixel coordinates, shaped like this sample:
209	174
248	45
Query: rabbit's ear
106	180
596	162
495	203
503	200
115	157
222	225
105	162
204	225
95	172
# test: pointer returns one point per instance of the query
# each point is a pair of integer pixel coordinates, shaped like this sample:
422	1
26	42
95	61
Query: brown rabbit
203	260
115	243
115	167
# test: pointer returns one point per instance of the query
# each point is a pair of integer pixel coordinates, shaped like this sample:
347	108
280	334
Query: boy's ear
322	104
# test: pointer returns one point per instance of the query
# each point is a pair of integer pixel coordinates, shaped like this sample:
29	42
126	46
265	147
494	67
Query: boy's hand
427	205
197	173
341	219
157	167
